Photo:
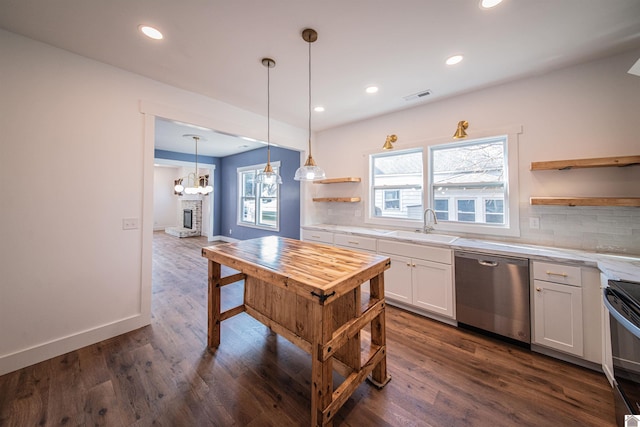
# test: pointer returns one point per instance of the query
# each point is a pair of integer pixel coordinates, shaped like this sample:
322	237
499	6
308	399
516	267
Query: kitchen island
310	294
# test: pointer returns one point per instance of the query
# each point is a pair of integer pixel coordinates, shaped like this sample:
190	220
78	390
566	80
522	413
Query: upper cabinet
586	163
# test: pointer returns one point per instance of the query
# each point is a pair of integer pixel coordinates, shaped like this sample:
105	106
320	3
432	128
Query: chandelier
195	184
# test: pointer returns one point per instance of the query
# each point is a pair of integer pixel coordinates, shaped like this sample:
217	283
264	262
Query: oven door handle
619	317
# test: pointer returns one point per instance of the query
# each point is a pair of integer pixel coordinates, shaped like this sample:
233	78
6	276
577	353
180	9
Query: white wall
589	110
165	203
76	158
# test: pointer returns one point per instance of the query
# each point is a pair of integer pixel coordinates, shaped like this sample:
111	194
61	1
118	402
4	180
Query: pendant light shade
310	171
268	176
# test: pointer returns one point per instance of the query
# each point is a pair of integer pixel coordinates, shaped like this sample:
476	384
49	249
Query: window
396	181
392	199
494	211
466	210
469	183
258	203
441	207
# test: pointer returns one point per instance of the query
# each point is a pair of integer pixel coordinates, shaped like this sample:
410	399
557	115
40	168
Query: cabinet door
397	280
558	317
433	287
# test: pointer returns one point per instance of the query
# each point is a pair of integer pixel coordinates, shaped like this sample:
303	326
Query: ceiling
215	47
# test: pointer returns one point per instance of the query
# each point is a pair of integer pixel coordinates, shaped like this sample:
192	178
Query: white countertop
615	267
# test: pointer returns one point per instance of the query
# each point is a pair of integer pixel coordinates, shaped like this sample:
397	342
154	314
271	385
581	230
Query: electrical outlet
130	223
534	223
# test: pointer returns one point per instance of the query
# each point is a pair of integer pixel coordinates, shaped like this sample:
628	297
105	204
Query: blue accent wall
289	193
225	190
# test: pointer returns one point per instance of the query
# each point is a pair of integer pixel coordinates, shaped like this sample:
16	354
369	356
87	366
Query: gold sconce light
390	140
460	132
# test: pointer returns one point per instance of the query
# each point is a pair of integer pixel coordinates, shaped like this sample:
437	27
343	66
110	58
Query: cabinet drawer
355	242
428	253
317	236
557	273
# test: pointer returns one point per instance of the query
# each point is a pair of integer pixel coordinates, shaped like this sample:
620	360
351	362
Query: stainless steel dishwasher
492	294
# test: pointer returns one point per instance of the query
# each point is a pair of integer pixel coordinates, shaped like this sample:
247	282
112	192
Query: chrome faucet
427	228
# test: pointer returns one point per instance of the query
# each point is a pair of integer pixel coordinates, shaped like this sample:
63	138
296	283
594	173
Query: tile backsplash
597	229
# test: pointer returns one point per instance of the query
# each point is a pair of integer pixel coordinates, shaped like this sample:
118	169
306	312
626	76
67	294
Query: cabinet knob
408	264
538	289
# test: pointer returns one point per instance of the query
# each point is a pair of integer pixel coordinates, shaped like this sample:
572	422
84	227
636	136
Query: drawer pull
313	235
488	263
551	273
354	243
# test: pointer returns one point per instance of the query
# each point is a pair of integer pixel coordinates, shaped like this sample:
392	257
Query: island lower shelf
586	201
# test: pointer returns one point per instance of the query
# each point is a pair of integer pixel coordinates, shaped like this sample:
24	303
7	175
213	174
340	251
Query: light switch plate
130	223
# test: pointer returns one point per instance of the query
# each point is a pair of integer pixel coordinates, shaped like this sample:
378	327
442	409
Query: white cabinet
420	276
317	236
567	313
558	317
367	244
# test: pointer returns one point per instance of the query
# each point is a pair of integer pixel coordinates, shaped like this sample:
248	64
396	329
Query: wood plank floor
163	375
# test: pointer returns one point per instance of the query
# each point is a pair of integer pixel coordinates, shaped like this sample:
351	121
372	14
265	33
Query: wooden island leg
321	371
213	333
379	376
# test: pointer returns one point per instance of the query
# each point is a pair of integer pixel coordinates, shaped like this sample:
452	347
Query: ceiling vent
418	95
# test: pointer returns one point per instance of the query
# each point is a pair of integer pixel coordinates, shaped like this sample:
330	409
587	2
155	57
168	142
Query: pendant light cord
196	178
268	113
309	98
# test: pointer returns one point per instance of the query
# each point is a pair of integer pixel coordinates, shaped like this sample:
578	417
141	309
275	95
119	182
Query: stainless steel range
622	299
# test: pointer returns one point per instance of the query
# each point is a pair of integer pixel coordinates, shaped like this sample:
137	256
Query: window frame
511	226
257	191
370	216
511	201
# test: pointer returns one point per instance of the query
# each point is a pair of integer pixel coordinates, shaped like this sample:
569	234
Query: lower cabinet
558	317
420	276
566	310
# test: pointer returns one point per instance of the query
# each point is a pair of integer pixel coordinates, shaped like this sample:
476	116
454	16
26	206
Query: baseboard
225	239
36	354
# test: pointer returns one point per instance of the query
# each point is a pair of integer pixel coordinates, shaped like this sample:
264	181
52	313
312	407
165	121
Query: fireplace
187	218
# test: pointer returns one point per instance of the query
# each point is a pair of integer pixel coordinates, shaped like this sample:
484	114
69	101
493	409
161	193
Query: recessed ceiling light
372	89
319	109
453	60
151	32
488	4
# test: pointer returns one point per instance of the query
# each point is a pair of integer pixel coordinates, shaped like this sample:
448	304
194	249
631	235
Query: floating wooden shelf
337	180
599	162
586	201
337	199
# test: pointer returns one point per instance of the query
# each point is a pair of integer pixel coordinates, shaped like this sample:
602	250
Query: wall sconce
460	132
390	139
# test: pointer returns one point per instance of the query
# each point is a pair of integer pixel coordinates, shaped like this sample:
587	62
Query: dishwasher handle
488	263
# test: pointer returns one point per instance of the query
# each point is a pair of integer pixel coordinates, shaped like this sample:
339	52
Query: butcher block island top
310	294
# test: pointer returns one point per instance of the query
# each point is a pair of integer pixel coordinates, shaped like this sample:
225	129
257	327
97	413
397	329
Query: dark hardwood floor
163	374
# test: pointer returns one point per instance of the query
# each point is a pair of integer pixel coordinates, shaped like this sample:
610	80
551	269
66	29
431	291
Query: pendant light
268	176
195	184
309	172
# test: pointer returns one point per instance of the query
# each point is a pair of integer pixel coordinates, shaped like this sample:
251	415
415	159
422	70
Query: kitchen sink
423	237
